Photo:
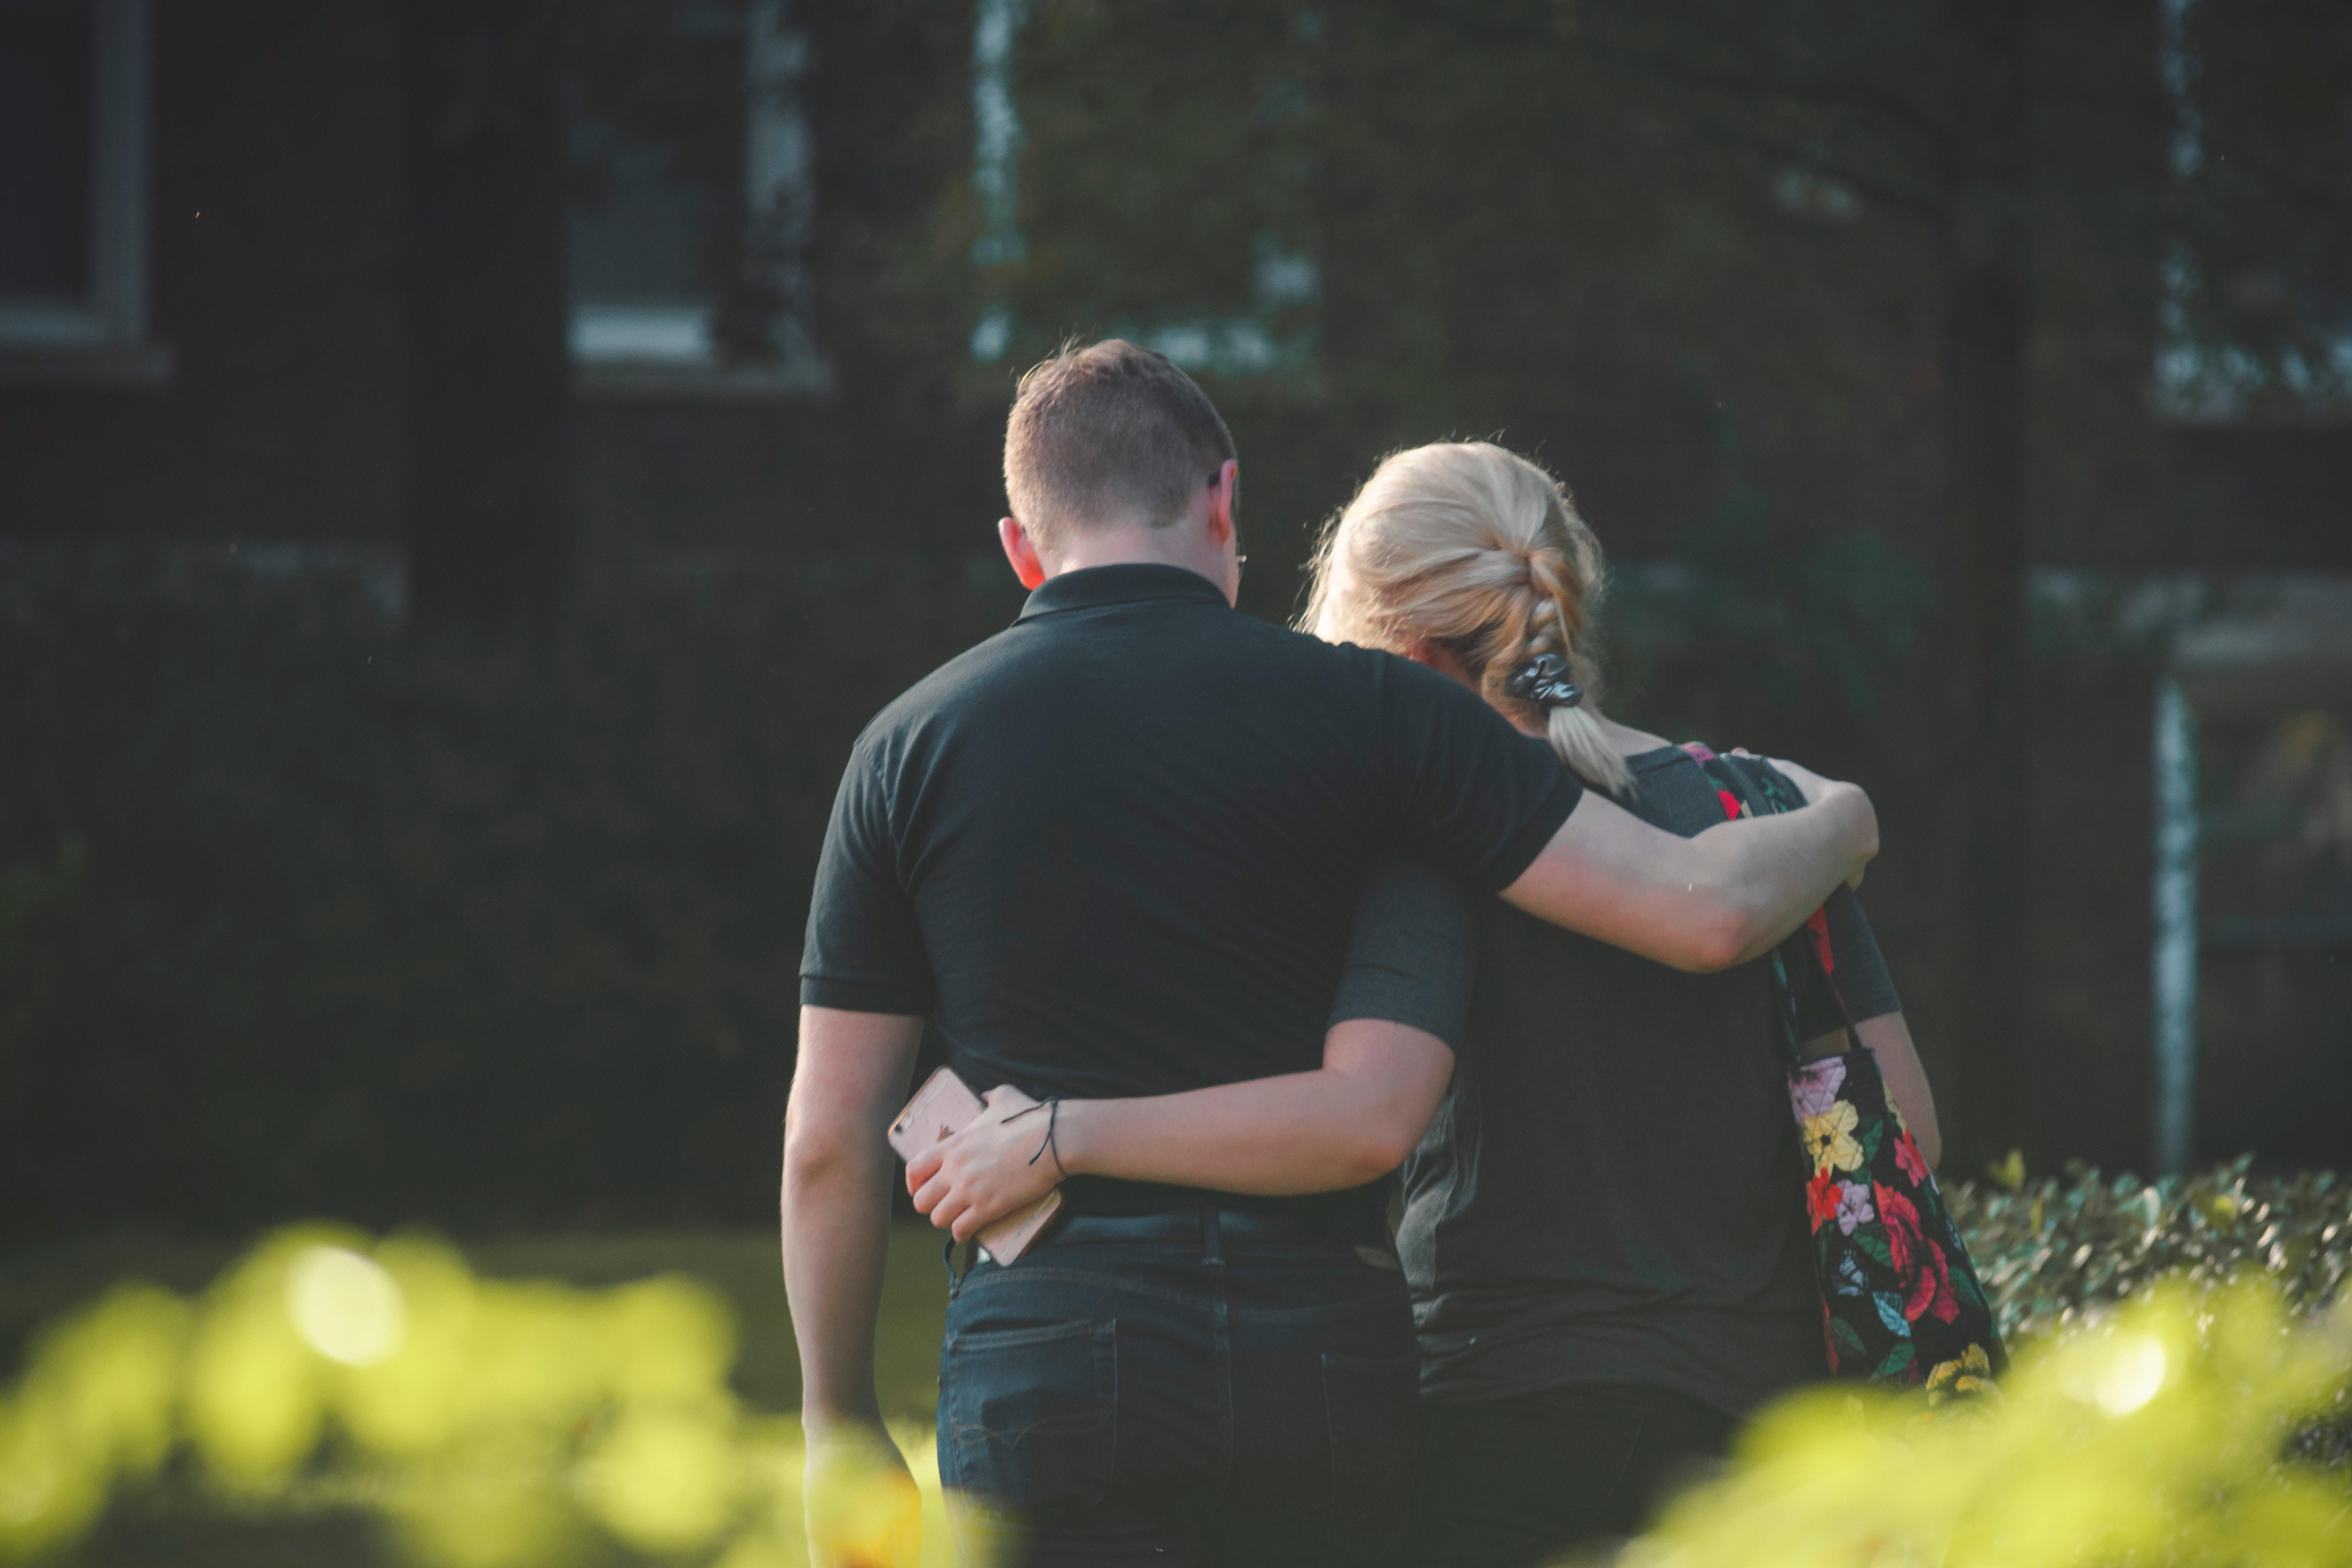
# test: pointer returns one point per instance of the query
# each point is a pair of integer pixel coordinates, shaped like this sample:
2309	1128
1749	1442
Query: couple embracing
1233	922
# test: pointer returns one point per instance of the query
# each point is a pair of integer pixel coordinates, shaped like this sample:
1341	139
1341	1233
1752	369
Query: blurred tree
1752	272
2259	283
489	504
1984	235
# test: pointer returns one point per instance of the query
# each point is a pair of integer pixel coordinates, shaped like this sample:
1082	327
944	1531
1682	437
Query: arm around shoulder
1698	904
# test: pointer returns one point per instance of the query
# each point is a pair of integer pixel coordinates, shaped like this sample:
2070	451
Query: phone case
946	1105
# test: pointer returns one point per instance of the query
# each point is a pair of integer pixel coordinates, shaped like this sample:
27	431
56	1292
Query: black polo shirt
1116	848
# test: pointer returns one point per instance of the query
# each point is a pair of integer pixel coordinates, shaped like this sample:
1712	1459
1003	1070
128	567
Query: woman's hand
992	1168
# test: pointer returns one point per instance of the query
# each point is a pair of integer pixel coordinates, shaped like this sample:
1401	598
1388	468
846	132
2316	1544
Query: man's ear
1020	553
1224	499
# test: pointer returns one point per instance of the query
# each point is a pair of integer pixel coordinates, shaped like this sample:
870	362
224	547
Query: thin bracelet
1052	1109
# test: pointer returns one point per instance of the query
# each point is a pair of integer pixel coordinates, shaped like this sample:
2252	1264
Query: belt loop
947	1262
1212	1239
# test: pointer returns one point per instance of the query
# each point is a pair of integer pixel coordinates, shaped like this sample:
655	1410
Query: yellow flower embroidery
1829	1139
1972	1373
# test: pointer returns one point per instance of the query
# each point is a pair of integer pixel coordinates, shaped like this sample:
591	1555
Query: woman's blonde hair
1474	549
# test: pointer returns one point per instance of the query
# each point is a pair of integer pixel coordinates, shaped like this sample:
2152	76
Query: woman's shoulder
1632	743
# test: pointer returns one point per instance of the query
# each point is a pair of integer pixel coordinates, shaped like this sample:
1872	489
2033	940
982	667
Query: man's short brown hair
1108	433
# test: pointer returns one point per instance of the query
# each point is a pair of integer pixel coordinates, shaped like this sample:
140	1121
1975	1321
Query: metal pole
2175	957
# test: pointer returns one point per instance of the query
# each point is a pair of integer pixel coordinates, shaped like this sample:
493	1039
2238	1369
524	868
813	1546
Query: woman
1603	1232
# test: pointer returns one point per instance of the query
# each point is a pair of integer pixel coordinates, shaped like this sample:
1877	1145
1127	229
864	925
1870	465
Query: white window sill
632	379
671	351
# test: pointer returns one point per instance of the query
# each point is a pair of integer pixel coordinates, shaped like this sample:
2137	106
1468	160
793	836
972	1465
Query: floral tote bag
1902	1305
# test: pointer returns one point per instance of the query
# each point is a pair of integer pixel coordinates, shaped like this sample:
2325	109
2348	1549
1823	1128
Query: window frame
104	336
668	349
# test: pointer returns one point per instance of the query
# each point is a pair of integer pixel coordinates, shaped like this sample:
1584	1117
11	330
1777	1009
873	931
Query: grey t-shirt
1612	1192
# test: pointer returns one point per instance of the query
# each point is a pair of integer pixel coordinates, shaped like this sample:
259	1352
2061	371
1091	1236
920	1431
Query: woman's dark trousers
1180	1390
1507	1483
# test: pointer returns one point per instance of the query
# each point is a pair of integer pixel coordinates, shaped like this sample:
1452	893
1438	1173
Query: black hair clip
1543	681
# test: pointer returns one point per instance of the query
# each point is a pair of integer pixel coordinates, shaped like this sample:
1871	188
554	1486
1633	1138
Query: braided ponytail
1466	545
1557	625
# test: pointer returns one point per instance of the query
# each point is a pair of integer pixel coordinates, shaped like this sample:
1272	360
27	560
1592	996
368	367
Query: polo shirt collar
1125	584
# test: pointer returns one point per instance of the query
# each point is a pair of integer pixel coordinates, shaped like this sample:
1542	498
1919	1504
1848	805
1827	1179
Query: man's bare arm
849	1080
1350	1121
1704	903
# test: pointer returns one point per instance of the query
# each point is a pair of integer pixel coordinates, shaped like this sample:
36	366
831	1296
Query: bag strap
1763	794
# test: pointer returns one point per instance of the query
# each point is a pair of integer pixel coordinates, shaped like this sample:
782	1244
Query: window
73	189
696	199
1232	186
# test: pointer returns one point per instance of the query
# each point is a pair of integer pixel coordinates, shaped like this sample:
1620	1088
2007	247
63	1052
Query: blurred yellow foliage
497	1424
489	1423
97	1403
863	1506
2153	1436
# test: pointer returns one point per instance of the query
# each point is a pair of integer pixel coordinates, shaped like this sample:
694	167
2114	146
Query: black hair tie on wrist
1052	1145
1543	681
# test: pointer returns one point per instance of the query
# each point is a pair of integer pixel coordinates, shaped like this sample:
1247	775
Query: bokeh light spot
345	1306
2124	1375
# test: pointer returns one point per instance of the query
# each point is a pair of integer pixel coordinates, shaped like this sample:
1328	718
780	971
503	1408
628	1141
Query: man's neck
1138	546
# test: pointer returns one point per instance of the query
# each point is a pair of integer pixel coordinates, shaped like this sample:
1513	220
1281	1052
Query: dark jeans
1204	1401
1521	1480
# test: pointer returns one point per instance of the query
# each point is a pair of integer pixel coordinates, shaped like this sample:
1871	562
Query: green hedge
2058	1250
2053	1249
303	913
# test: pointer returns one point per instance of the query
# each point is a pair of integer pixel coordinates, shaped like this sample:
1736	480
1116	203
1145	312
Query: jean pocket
1372	1406
1033	1414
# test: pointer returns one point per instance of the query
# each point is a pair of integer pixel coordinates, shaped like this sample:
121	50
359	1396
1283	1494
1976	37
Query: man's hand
859	1502
1699	904
1818	790
992	1168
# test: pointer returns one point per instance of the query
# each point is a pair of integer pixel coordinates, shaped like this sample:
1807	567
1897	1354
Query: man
1114	851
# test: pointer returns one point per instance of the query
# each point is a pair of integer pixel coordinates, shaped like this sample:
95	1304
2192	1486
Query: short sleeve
1472	792
1414	952
1857	968
865	948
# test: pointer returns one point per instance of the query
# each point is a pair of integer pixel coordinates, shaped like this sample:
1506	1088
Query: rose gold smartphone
946	1105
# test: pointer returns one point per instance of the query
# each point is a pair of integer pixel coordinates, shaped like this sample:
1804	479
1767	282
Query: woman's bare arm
1888	1038
1349	1121
1706	903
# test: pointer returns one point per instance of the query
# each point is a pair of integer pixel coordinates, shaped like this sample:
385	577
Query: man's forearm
852	1070
837	1224
1702	903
